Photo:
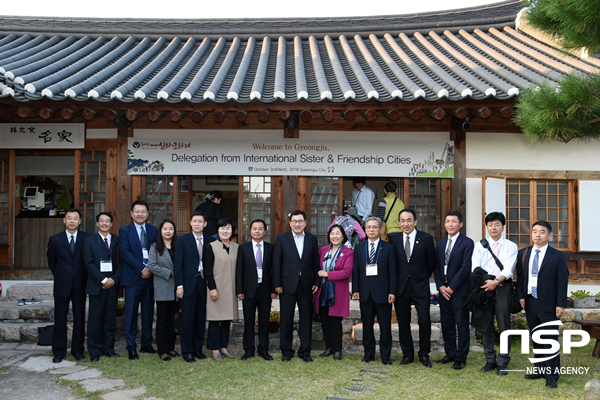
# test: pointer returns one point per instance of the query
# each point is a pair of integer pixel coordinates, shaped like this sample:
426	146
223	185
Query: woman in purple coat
332	300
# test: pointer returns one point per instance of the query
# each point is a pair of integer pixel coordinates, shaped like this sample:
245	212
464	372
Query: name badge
259	272
533	281
371	269
105	266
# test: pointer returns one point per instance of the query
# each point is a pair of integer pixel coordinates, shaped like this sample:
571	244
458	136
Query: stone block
96	385
586	302
81	375
434	312
125	394
569	315
9	312
568	325
29	332
39	312
317	335
347	325
44	363
43	291
591	314
592	390
68	370
10	331
355	314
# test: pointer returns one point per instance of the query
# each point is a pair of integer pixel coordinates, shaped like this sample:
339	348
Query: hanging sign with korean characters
42	136
305	157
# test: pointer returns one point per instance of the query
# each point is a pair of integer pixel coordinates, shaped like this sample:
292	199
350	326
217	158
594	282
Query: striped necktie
534	272
372	253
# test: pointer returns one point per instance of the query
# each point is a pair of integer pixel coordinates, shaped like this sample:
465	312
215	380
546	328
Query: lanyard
100	248
378	251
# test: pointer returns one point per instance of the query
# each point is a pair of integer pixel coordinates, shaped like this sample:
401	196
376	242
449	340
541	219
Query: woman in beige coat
222	307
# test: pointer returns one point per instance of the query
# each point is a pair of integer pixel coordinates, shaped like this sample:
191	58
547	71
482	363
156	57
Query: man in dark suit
254	286
416	261
65	259
543	278
374	283
295	269
135	240
191	286
452	277
100	254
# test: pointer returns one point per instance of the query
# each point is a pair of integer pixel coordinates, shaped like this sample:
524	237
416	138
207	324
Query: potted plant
120	307
584	299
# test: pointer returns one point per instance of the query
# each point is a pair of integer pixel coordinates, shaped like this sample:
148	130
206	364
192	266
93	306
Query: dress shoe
551	383
133	355
326	353
337	355
189	358
217	356
444	360
148	349
386	362
425	361
247	355
165	357
57	359
502	371
367	359
174	353
406	360
79	357
534	376
488	367
111	354
459	365
226	353
199	355
266	356
307	359
95	358
286	358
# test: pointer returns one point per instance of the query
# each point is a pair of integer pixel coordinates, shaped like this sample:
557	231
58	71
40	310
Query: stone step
11	312
42	291
436	333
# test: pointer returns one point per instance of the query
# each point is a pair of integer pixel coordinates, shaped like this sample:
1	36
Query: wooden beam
264	116
25	112
349	115
459	183
69	113
481	112
219	116
241	116
133	115
154	115
306	116
47	113
436	113
6	111
123	198
503	112
177	115
327	115
369	115
392	115
198	116
89	114
460	113
111	115
284	115
415	114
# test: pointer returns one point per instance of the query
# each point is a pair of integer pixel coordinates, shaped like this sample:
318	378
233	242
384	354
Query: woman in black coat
212	209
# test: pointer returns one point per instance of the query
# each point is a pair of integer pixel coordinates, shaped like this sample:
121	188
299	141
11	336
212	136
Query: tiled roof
457	54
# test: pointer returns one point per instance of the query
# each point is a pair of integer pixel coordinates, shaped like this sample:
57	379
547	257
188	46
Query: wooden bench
591	326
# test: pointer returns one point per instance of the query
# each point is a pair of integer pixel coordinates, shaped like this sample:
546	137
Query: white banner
304	157
42	136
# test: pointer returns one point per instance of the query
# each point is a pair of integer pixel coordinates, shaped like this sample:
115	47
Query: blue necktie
535	271
72	243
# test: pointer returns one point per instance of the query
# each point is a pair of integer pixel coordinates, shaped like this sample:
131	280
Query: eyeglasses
140	212
370	227
297	221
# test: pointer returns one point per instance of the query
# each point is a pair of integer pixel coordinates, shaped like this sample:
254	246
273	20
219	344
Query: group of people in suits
207	276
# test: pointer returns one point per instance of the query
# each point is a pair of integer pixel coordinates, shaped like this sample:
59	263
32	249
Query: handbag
384	234
45	335
514	305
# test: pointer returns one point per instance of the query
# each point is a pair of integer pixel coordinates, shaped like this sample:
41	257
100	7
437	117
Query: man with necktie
65	259
498	258
542	288
254	286
134	242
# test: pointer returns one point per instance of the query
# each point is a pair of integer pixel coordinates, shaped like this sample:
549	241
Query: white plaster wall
375	136
473	219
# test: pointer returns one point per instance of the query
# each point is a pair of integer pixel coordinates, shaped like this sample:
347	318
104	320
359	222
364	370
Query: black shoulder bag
514	306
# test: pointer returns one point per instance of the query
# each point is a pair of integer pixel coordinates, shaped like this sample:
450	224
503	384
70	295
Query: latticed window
159	193
324	205
92	187
424	195
256	203
4	206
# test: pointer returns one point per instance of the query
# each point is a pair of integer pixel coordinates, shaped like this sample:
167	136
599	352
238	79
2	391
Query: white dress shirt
449	244
363	200
413	237
531	257
198	244
102	237
299	241
262	253
139	231
375	246
507	254
69	236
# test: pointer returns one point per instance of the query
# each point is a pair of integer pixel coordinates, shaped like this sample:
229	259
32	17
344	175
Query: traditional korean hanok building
280	114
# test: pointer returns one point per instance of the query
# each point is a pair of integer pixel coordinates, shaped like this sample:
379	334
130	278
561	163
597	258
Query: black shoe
337	355
148	349
199	355
111	354
425	361
133	355
386	362
95	358
266	356
459	365
307	359
444	360
173	353
79	357
407	360
502	371
247	355
367	359
488	367
286	358
534	376
326	353
57	359
165	357
189	358
551	383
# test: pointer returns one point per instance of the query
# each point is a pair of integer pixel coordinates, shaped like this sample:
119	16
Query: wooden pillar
124	187
11	209
459	183
291	193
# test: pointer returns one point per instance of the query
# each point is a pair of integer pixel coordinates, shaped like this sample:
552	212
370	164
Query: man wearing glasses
134	241
295	279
